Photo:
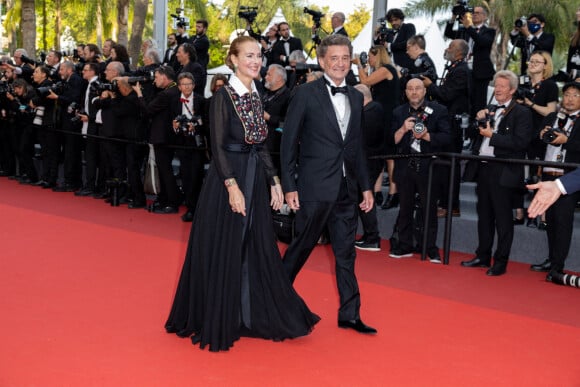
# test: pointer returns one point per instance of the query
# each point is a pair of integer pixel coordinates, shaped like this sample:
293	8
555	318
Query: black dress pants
169	194
369	220
341	219
494	211
192	171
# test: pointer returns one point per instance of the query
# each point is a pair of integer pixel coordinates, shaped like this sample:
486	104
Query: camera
363	57
550	135
385	34
180	21
72	108
146	77
463	120
307	67
6	87
406	73
420	119
39	116
488	118
57	88
461	8
98	87
31	61
183	121
316	16
248	13
525	89
522	21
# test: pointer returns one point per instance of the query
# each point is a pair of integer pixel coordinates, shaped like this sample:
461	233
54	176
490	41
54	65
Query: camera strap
185	104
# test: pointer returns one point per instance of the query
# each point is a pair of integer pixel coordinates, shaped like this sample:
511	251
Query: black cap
568	85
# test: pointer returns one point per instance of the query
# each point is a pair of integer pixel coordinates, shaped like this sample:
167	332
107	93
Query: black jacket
482	43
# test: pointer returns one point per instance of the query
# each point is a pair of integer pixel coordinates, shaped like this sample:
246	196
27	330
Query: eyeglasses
535	62
570	95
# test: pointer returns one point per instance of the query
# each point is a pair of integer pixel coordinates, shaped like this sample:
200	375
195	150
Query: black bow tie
334	90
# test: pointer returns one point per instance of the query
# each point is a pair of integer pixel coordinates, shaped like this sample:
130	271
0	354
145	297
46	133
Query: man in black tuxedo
162	135
275	102
506	137
412	174
480	39
565	147
284	46
192	160
52	61
323	168
201	42
454	92
337	22
396	41
531	37
71	94
170	59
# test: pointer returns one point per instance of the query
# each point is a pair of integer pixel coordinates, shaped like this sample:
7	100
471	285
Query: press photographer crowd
93	124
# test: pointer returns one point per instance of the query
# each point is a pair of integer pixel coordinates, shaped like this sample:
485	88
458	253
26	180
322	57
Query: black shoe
364	244
136	205
435	258
165	210
476	262
400	253
357	325
25	180
545	266
496	270
379	198
391	202
84	192
518	221
100	195
46	185
553	275
188	216
65	188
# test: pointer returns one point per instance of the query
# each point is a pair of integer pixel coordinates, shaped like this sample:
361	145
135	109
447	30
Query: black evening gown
233	282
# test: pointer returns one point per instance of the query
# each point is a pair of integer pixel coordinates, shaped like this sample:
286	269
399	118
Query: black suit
483	70
399	45
327	171
92	145
412	174
191	160
199	75
162	135
560	215
170	59
275	104
341	31
545	42
72	143
496	182
278	50
201	44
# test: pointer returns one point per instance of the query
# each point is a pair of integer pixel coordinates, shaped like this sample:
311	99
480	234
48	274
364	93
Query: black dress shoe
475	262
65	188
84	192
518	221
188	216
553	273
545	266
136	205
357	325
496	270
165	210
46	185
391	202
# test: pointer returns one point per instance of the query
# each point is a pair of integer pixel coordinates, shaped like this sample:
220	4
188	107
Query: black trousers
51	142
410	185
7	150
26	151
169	194
442	172
135	155
192	171
560	219
494	211
93	160
72	155
369	220
479	95
341	219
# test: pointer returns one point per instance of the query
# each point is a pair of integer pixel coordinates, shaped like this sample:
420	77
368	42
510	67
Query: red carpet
85	289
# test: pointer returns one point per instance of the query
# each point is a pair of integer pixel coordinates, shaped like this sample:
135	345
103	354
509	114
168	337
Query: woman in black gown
233	283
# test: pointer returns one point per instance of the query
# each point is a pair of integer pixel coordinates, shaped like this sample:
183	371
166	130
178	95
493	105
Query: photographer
170	59
162	134
284	46
573	59
21	69
9	133
275	102
504	132
267	43
562	134
187	58
385	88
423	65
18	103
201	42
528	34
68	100
419	127
191	130
44	121
52	61
540	94
480	39
395	40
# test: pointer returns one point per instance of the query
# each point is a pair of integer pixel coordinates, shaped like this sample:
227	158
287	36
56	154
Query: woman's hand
237	200
277	197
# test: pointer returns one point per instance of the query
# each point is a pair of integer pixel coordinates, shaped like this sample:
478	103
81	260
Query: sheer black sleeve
219	122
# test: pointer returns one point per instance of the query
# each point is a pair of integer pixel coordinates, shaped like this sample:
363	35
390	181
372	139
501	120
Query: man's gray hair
154	55
280	71
364	89
118	67
510	76
297	56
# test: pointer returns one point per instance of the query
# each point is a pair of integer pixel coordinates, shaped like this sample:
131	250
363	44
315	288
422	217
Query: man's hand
548	193
426	81
487	131
368	201
560	139
292	200
52	95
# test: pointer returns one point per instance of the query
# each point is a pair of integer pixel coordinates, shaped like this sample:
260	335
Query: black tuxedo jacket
313	150
201	44
374	133
128	117
514	134
278	49
171	60
159	111
109	126
341	31
439	132
544	43
572	146
482	44
399	46
454	91
198	110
